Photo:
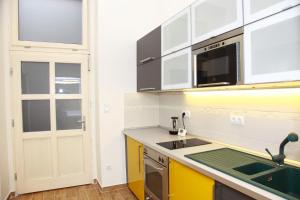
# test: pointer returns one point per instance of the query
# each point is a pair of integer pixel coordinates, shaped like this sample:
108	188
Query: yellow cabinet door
186	183
135	167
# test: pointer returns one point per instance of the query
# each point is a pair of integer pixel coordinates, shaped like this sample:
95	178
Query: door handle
83	122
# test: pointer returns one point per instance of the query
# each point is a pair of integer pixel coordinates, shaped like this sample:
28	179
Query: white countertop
152	135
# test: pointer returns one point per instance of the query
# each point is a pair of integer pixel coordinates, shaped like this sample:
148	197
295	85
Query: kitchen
228	74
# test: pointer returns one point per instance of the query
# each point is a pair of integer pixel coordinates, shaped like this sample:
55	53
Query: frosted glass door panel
68	114
272	48
36	115
35	77
176	70
176	32
258	5
54	21
258	9
214	17
67	78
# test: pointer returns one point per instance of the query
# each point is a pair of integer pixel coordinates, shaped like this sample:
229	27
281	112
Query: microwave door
217	66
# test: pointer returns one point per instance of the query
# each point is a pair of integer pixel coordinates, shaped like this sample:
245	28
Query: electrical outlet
238	120
187	114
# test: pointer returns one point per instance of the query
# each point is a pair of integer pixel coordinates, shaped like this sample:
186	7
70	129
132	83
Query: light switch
106	108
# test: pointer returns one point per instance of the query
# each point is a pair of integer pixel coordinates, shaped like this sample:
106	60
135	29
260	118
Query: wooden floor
86	192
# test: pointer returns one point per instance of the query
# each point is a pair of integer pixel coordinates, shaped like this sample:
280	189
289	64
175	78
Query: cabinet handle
146	89
213	84
140	146
147	60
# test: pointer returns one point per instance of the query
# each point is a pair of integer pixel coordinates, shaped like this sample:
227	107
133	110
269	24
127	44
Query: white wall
269	116
120	24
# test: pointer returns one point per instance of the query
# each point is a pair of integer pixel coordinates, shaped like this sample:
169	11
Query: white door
52	138
272	48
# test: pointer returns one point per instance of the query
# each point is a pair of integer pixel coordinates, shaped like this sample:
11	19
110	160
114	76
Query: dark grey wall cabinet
149	47
149	76
149	62
223	192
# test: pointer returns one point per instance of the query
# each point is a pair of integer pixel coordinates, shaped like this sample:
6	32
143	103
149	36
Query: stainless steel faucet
279	159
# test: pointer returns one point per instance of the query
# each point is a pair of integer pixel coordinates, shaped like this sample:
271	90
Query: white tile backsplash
141	110
268	119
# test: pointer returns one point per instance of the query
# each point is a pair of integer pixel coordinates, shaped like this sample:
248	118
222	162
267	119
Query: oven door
218	64
156	180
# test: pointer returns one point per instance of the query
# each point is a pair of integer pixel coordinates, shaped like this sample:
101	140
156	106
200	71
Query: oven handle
213	84
158	168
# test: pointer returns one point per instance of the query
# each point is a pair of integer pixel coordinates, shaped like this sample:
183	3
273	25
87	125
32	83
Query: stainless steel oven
156	175
219	63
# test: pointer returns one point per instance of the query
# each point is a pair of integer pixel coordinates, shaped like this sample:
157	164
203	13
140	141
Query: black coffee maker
174	131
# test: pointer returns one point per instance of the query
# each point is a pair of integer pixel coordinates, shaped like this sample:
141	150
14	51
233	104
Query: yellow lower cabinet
135	167
188	184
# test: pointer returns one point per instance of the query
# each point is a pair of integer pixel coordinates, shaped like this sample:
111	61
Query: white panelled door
52	138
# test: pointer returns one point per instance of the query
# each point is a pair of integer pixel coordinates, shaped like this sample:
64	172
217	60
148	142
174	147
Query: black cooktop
179	144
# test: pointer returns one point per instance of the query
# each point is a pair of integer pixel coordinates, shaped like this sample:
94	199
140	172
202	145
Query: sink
283	181
253	168
286	180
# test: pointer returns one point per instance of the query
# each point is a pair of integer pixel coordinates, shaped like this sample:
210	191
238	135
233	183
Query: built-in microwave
218	63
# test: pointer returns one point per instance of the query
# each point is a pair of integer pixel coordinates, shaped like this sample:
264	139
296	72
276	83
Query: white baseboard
9	195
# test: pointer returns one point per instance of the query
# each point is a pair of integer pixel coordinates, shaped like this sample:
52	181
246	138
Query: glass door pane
35	77
154	181
67	78
68	114
56	21
36	115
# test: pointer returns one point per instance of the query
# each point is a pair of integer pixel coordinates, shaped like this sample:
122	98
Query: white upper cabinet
176	32
272	48
258	9
214	17
177	70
